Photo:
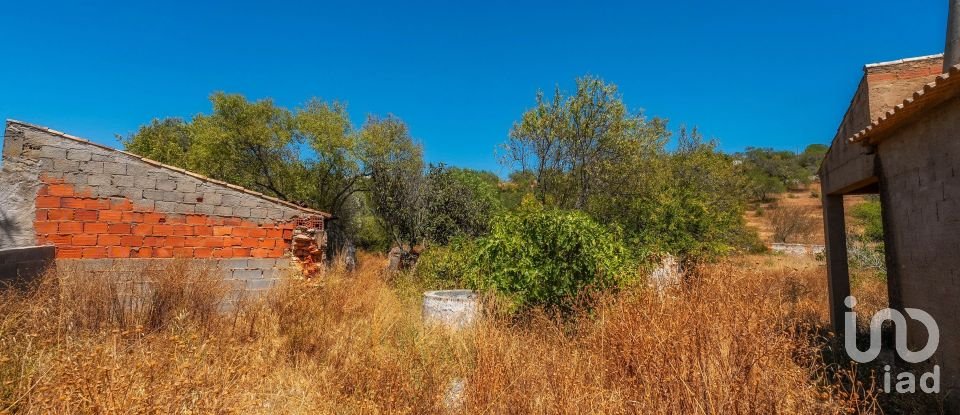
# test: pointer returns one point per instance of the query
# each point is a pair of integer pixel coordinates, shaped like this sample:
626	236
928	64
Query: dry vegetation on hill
740	338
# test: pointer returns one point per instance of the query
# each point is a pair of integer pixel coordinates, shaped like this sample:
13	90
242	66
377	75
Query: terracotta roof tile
932	94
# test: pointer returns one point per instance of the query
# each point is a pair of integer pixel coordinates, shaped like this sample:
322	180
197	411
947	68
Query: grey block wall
23	265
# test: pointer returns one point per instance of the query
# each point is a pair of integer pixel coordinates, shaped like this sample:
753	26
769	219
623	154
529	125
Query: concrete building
900	138
111	210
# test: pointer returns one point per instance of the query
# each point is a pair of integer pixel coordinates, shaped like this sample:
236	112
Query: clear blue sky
749	73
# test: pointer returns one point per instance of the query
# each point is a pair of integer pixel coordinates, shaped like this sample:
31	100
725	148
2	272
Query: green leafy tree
582	145
459	202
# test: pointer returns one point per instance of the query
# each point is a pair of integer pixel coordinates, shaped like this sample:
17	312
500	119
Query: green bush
445	267
549	258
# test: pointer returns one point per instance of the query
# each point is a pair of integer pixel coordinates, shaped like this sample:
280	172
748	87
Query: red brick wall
81	226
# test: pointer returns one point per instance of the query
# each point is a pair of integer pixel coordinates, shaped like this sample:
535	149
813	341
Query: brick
260	253
221	252
85	215
258	233
176	241
267	243
131	217
131	240
45	227
154	218
154	241
240	252
232	221
288	234
163	252
176	219
277	252
222	230
196	220
118	252
203	253
163	230
183	230
72	203
121	204
142	252
70	227
69	253
142	229
203	230
118	228
183	252
48	202
213	242
96	204
40	215
110	216
95	227
275	233
94	252
59	214
84	240
108	240
60	239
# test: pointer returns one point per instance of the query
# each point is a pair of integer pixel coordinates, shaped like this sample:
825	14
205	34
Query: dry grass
741	338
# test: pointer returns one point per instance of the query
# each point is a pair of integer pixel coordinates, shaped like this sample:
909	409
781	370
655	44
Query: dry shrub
741	339
793	224
728	343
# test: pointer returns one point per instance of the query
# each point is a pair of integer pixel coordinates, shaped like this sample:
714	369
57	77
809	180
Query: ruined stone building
109	209
900	138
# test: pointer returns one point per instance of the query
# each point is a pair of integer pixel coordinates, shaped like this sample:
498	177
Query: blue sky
764	73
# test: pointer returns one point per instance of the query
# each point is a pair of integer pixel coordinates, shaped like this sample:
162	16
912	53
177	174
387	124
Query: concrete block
114	168
249	201
186	185
65	165
258	213
223	211
261	263
234	263
203	209
212	198
132	193
53	152
98	180
185	208
241	211
172	197
121	180
261	284
144	182
167	207
79	155
91	166
247	274
166	185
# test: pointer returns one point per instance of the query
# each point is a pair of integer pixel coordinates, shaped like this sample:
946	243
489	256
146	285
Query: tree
791	224
397	186
577	146
460	202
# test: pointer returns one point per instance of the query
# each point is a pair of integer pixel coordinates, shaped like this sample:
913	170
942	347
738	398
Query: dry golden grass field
743	336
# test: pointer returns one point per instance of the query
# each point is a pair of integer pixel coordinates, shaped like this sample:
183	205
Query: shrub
444	267
792	224
549	258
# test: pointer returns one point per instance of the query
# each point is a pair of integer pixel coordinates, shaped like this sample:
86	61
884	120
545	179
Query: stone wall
93	202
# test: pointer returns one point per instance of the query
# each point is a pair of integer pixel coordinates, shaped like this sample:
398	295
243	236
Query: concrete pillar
838	273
